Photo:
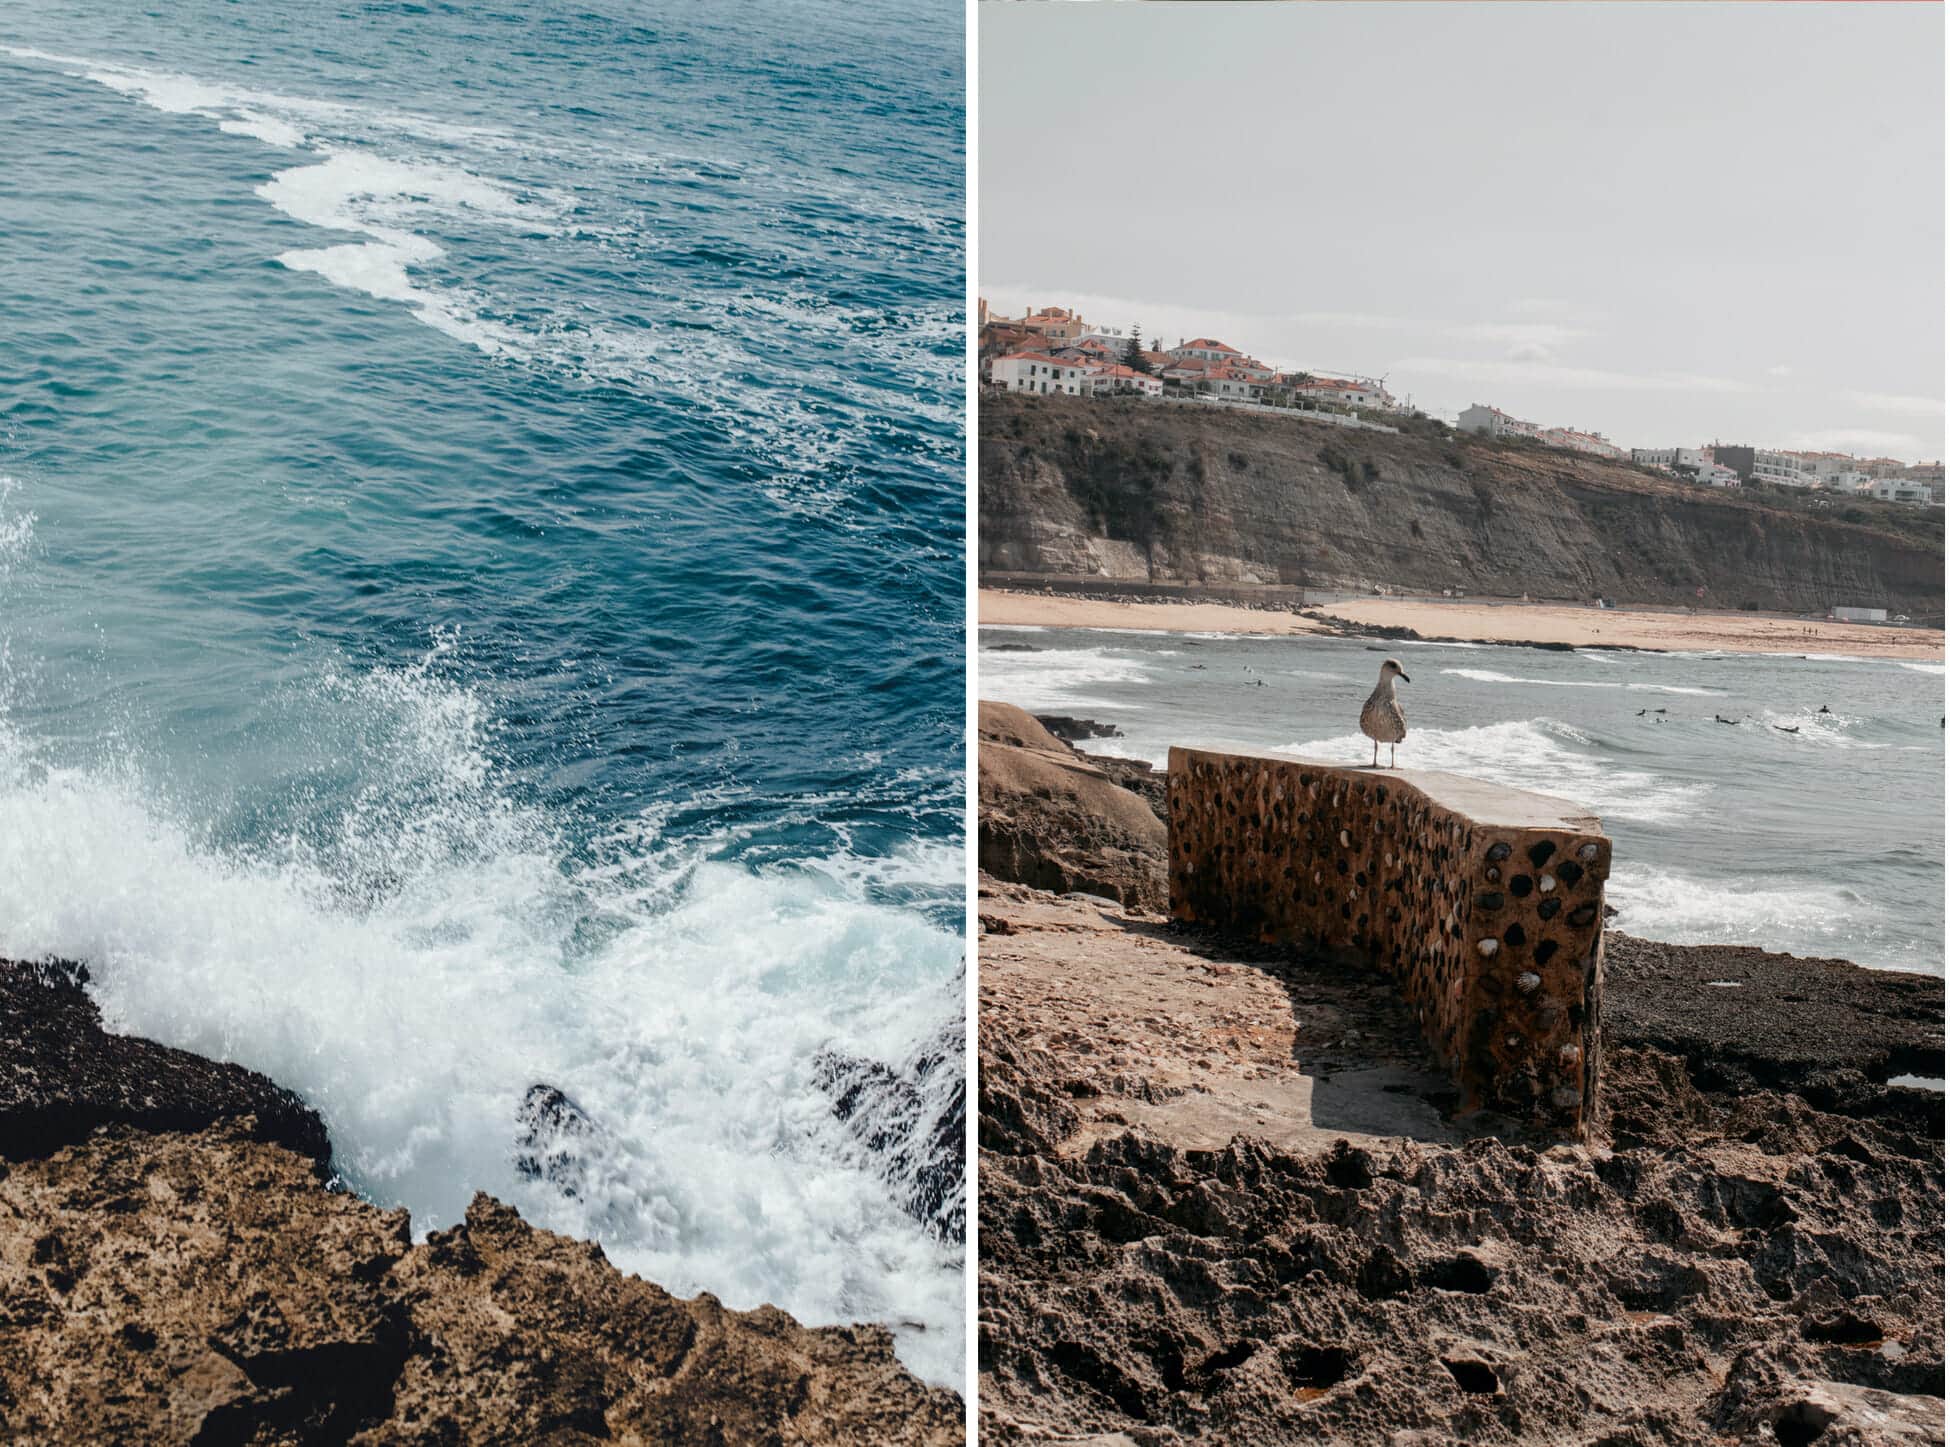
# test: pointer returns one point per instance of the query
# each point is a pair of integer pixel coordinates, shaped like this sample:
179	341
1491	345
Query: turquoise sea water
1790	828
480	587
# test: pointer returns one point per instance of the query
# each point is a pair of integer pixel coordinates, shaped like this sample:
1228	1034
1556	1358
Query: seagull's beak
1405	677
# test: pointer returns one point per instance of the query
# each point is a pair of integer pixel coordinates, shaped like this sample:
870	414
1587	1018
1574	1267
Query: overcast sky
1672	224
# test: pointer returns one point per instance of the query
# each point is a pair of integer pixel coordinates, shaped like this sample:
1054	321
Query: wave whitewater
1540	754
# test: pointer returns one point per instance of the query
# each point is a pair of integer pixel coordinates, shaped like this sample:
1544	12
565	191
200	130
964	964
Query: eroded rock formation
1224	1200
178	1274
1053	818
1160	493
1173	1252
912	1120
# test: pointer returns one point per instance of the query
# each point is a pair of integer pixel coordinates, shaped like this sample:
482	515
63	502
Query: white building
1589	442
1783	469
1037	372
1840	614
1832	471
1688	460
1899	489
1478	418
1351	392
1714	475
1108	381
1205	349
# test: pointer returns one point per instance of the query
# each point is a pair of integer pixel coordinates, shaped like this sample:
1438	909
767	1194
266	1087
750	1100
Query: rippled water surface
1819	833
480	587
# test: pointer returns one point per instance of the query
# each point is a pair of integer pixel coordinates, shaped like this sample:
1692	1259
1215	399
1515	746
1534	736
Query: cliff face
1147	492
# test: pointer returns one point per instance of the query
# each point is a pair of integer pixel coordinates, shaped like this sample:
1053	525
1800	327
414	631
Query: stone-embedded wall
1485	904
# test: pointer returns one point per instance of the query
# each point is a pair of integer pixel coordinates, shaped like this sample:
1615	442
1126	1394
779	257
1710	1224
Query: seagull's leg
1377	755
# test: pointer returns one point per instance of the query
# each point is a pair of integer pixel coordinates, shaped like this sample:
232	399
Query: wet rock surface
1735	1257
1077	730
1052	818
174	1270
1745	1018
64	1075
912	1120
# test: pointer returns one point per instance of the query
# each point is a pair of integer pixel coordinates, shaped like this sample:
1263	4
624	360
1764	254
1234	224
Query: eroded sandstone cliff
1160	493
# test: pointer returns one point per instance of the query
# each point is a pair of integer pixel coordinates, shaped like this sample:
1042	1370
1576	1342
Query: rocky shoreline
176	1266
1223	1200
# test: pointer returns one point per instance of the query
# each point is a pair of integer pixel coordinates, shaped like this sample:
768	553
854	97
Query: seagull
1381	716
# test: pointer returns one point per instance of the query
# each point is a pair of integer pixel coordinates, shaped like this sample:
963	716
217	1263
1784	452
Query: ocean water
1826	841
480	588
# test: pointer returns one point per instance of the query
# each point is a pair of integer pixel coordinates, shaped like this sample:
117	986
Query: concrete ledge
1485	904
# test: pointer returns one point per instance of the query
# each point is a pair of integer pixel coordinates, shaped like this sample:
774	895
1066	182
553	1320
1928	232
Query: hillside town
1053	350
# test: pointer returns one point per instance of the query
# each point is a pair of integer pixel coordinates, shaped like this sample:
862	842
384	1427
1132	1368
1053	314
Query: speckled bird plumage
1382	718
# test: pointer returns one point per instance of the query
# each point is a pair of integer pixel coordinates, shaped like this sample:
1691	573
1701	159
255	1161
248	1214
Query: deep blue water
481	585
1790	828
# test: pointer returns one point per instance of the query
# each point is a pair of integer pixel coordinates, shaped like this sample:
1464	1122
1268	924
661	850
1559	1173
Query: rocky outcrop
1150	493
1746	1019
62	1075
1051	818
1171	1254
173	1271
179	1288
912	1120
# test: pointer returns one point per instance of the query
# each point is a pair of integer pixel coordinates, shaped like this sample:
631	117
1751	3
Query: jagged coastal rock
913	1122
174	1269
1147	492
1223	1199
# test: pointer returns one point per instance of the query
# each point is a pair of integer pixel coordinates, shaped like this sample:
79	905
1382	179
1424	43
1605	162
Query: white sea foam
1936	668
1540	754
1486	675
414	968
1058	679
1802	915
721	354
1812	727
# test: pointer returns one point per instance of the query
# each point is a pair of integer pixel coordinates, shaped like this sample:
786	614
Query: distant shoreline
1536	624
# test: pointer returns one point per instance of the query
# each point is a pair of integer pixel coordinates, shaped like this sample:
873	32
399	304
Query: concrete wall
1485	904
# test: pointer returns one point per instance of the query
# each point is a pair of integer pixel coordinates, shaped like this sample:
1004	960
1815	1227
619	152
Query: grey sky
1668	223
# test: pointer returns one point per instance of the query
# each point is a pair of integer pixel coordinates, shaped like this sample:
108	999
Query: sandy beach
1004	609
1485	623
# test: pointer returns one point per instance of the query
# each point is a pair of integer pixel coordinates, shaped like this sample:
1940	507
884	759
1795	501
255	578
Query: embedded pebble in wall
1528	981
1499	852
1546	883
1588	852
1486	948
